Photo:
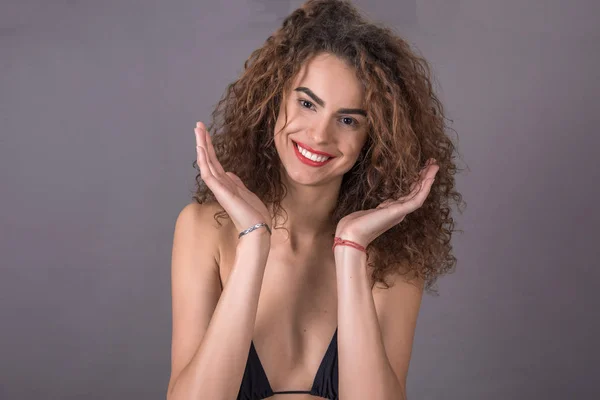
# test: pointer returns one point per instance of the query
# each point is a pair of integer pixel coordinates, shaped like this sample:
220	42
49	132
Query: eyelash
354	122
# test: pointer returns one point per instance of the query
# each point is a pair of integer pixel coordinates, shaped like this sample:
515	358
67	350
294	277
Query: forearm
216	369
364	369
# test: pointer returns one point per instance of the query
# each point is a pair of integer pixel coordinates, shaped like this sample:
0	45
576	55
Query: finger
420	189
410	203
425	171
210	151
423	192
201	144
213	155
219	187
428	171
205	171
203	162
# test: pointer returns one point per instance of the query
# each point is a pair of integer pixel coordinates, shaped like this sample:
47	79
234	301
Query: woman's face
325	113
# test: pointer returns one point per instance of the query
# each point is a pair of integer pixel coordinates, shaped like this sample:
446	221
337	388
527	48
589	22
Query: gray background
98	100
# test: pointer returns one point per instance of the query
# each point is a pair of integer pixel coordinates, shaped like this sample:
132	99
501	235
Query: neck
308	210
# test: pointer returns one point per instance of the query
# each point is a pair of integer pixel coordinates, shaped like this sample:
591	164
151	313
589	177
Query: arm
376	327
376	330
211	330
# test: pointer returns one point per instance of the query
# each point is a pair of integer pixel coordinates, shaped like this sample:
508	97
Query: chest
296	315
298	290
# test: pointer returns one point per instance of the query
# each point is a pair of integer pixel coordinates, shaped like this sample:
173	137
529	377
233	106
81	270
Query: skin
379	322
382	322
313	191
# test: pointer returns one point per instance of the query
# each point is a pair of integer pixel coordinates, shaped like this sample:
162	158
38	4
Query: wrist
349	258
260	238
347	239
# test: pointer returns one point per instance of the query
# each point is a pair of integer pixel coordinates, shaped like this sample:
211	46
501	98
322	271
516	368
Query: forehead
332	79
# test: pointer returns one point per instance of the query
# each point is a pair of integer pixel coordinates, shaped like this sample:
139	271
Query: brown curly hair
406	128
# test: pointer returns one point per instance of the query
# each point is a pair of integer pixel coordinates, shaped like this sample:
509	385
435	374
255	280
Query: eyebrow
320	102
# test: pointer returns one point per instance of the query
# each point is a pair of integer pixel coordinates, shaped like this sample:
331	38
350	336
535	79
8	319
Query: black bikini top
255	384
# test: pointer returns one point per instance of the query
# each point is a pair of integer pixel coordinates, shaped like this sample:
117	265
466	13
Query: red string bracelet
337	240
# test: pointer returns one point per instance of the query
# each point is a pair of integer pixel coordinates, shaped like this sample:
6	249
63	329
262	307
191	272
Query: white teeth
312	156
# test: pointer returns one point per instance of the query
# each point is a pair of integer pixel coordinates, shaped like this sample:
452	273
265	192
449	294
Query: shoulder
197	222
196	218
198	212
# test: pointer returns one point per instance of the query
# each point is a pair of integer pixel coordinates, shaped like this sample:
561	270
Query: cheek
281	117
296	122
280	122
358	150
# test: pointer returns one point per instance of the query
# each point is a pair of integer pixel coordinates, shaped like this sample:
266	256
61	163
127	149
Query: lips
313	151
308	161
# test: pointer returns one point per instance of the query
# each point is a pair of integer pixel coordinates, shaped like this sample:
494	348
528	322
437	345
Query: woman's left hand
365	226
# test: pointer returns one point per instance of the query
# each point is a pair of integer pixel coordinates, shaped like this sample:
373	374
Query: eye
304	103
346	121
349	121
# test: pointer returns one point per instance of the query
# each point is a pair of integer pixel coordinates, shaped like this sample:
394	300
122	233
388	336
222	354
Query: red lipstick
321	153
308	161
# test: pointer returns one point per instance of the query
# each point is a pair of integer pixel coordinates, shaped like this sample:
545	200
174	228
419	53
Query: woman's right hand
243	207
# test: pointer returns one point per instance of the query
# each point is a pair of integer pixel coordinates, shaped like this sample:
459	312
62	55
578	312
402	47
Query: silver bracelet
253	228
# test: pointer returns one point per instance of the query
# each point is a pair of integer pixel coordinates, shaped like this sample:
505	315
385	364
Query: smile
310	159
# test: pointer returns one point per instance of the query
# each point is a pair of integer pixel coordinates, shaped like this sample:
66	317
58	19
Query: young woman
322	164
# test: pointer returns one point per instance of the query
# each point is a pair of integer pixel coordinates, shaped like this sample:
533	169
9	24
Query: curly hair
406	127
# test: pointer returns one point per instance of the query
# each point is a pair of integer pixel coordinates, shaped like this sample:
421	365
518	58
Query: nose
321	132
